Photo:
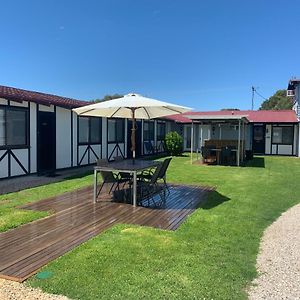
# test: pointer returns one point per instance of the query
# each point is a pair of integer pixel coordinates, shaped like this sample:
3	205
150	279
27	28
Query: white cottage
39	133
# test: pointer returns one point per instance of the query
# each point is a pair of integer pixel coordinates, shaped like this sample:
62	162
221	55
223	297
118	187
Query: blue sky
202	54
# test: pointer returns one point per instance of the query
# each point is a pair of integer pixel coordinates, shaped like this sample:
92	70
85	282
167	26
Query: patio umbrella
131	106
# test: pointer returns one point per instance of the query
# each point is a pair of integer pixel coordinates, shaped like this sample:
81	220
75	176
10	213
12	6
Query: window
116	130
283	135
89	130
148	131
13	127
161	131
95	130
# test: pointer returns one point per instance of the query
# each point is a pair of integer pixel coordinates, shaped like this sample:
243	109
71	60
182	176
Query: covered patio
227	132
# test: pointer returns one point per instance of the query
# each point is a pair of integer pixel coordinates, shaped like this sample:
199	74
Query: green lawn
10	217
211	256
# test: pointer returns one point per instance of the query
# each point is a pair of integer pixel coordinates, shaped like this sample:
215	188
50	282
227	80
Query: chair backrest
226	151
108	176
156	174
211	147
164	168
205	151
101	162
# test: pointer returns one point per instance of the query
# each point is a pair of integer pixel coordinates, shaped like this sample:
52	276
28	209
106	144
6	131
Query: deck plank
75	219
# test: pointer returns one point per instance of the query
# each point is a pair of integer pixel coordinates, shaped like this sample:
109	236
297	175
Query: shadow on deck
75	219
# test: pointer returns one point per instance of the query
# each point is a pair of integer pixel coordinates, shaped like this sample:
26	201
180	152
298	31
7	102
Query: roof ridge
41	93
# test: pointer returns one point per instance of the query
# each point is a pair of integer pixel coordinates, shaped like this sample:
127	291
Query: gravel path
279	260
10	290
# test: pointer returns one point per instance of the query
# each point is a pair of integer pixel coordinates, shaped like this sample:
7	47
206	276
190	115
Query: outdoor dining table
129	166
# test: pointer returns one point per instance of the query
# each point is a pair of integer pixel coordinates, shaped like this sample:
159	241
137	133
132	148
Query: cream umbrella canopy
131	106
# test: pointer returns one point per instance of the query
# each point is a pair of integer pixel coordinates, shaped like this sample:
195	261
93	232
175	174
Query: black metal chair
163	173
108	177
208	155
149	189
226	156
123	175
147	175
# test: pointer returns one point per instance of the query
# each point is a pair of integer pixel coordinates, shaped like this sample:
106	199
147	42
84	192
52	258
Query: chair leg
110	190
101	187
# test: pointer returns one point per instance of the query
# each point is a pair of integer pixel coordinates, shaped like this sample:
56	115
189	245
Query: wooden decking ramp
75	219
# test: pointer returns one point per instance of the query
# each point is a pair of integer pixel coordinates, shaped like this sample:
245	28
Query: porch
75	219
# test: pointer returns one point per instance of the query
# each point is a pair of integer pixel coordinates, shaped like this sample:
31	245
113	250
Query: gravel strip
278	262
10	290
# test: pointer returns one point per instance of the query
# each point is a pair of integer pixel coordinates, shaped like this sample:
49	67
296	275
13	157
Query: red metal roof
254	116
19	95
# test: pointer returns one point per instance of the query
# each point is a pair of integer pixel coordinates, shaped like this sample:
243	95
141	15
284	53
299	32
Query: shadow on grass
256	162
214	199
79	175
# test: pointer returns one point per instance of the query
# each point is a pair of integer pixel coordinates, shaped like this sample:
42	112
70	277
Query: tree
278	101
108	97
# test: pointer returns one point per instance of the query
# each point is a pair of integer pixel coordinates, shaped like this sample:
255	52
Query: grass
11	217
211	256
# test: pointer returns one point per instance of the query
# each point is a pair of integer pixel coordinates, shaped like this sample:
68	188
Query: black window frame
148	139
282	126
117	141
6	108
158	136
89	142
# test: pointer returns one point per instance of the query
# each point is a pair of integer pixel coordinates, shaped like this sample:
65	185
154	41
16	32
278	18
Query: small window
283	135
161	131
148	131
116	128
89	130
13	127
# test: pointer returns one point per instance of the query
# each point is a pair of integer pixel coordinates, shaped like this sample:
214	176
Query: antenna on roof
252	101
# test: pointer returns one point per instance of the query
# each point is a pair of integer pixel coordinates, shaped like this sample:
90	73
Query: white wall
22	156
268	139
33	138
3	165
74	115
63	138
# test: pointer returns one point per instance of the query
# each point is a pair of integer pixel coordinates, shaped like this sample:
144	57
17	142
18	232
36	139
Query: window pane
287	135
16	127
277	135
120	131
96	130
151	131
83	130
111	130
146	131
2	128
160	131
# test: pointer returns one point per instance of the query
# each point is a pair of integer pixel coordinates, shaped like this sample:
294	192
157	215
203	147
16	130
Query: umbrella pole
133	135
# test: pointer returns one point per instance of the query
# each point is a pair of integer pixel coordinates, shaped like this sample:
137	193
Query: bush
174	143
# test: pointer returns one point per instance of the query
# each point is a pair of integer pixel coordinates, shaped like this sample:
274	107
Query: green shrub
174	143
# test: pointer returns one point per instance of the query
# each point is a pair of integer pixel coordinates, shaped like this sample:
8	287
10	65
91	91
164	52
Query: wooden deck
75	219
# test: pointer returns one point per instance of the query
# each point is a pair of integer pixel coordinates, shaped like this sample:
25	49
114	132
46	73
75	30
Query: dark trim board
72	148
